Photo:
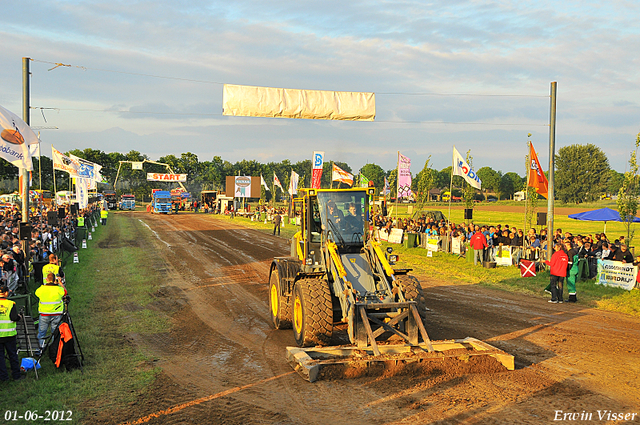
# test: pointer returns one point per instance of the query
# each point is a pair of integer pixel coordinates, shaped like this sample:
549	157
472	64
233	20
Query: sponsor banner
432	243
82	192
64	163
15	138
293	183
395	236
136	166
404	176
616	273
85	168
503	256
242	187
316	173
461	168
383	235
158	177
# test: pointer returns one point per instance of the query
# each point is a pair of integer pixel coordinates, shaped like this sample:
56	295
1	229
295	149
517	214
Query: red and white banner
316	173
157	177
339	175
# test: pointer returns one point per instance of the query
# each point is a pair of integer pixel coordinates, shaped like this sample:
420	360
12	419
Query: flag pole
451	185
397	185
526	198
332	176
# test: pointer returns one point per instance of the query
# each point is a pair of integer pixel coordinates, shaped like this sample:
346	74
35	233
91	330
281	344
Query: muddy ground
223	363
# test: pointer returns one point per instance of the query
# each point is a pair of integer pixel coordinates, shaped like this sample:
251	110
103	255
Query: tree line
582	174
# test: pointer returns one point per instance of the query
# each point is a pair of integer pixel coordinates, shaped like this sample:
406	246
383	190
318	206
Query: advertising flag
461	168
64	163
339	175
264	183
316	175
82	192
15	139
387	187
85	167
276	182
404	176
536	177
293	183
364	181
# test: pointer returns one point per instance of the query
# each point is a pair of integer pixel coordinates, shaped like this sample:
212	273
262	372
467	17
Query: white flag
264	183
82	192
293	183
64	163
15	139
276	182
461	168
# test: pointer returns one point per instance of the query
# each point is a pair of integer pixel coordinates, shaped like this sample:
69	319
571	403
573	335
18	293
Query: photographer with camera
8	341
52	295
52	267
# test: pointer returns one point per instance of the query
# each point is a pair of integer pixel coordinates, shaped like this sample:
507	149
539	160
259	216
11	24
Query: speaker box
25	231
468	214
52	218
74	208
61	212
542	219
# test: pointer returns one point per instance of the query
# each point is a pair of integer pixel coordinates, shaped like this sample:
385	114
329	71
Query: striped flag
339	175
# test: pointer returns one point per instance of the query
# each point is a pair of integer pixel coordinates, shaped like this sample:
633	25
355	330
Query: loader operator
334	214
353	222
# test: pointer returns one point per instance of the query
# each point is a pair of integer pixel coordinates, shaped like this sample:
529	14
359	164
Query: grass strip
109	289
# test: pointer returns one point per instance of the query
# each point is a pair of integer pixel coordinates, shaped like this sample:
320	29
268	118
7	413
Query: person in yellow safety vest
8	341
51	306
52	267
80	221
103	216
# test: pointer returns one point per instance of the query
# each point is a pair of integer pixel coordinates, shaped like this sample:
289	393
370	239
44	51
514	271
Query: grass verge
109	289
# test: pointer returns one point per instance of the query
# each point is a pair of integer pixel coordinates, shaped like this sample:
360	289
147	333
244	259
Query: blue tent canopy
603	214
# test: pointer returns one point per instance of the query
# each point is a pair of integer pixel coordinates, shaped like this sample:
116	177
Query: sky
148	76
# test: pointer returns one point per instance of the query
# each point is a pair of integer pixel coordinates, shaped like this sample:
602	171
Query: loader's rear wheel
312	313
412	291
280	305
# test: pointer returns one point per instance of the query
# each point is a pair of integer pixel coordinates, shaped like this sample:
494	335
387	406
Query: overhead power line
86	68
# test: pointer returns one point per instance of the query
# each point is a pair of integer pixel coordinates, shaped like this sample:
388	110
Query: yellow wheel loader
337	273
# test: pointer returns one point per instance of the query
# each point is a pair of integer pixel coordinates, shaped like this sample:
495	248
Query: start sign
157	177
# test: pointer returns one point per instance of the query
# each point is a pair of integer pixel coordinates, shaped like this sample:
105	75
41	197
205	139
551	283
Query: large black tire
412	291
312	313
279	305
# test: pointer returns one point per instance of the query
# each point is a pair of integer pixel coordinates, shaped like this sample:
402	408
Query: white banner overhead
157	177
251	101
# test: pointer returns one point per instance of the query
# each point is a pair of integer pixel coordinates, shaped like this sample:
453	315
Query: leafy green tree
506	188
628	194
615	182
490	179
425	183
517	181
375	173
392	177
582	173
469	191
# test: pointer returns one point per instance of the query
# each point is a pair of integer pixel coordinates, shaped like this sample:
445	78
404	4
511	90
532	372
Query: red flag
536	177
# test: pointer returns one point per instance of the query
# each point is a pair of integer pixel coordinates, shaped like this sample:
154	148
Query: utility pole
552	161
24	174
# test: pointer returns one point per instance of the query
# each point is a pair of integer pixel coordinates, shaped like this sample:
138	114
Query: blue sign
317	161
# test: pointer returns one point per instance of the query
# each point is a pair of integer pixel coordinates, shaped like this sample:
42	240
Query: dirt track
224	364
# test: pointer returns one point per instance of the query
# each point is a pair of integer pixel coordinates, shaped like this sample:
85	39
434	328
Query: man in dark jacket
276	223
623	254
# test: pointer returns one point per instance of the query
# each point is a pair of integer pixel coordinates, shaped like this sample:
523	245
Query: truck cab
127	202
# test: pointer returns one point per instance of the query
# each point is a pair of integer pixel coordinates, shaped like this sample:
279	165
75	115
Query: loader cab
336	215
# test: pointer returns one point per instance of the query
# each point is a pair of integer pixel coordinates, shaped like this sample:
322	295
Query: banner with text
616	273
242	188
316	173
157	177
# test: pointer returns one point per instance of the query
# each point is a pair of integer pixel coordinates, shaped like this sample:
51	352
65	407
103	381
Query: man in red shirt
558	263
478	242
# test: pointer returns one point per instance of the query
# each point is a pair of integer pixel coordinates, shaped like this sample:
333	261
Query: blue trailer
161	202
